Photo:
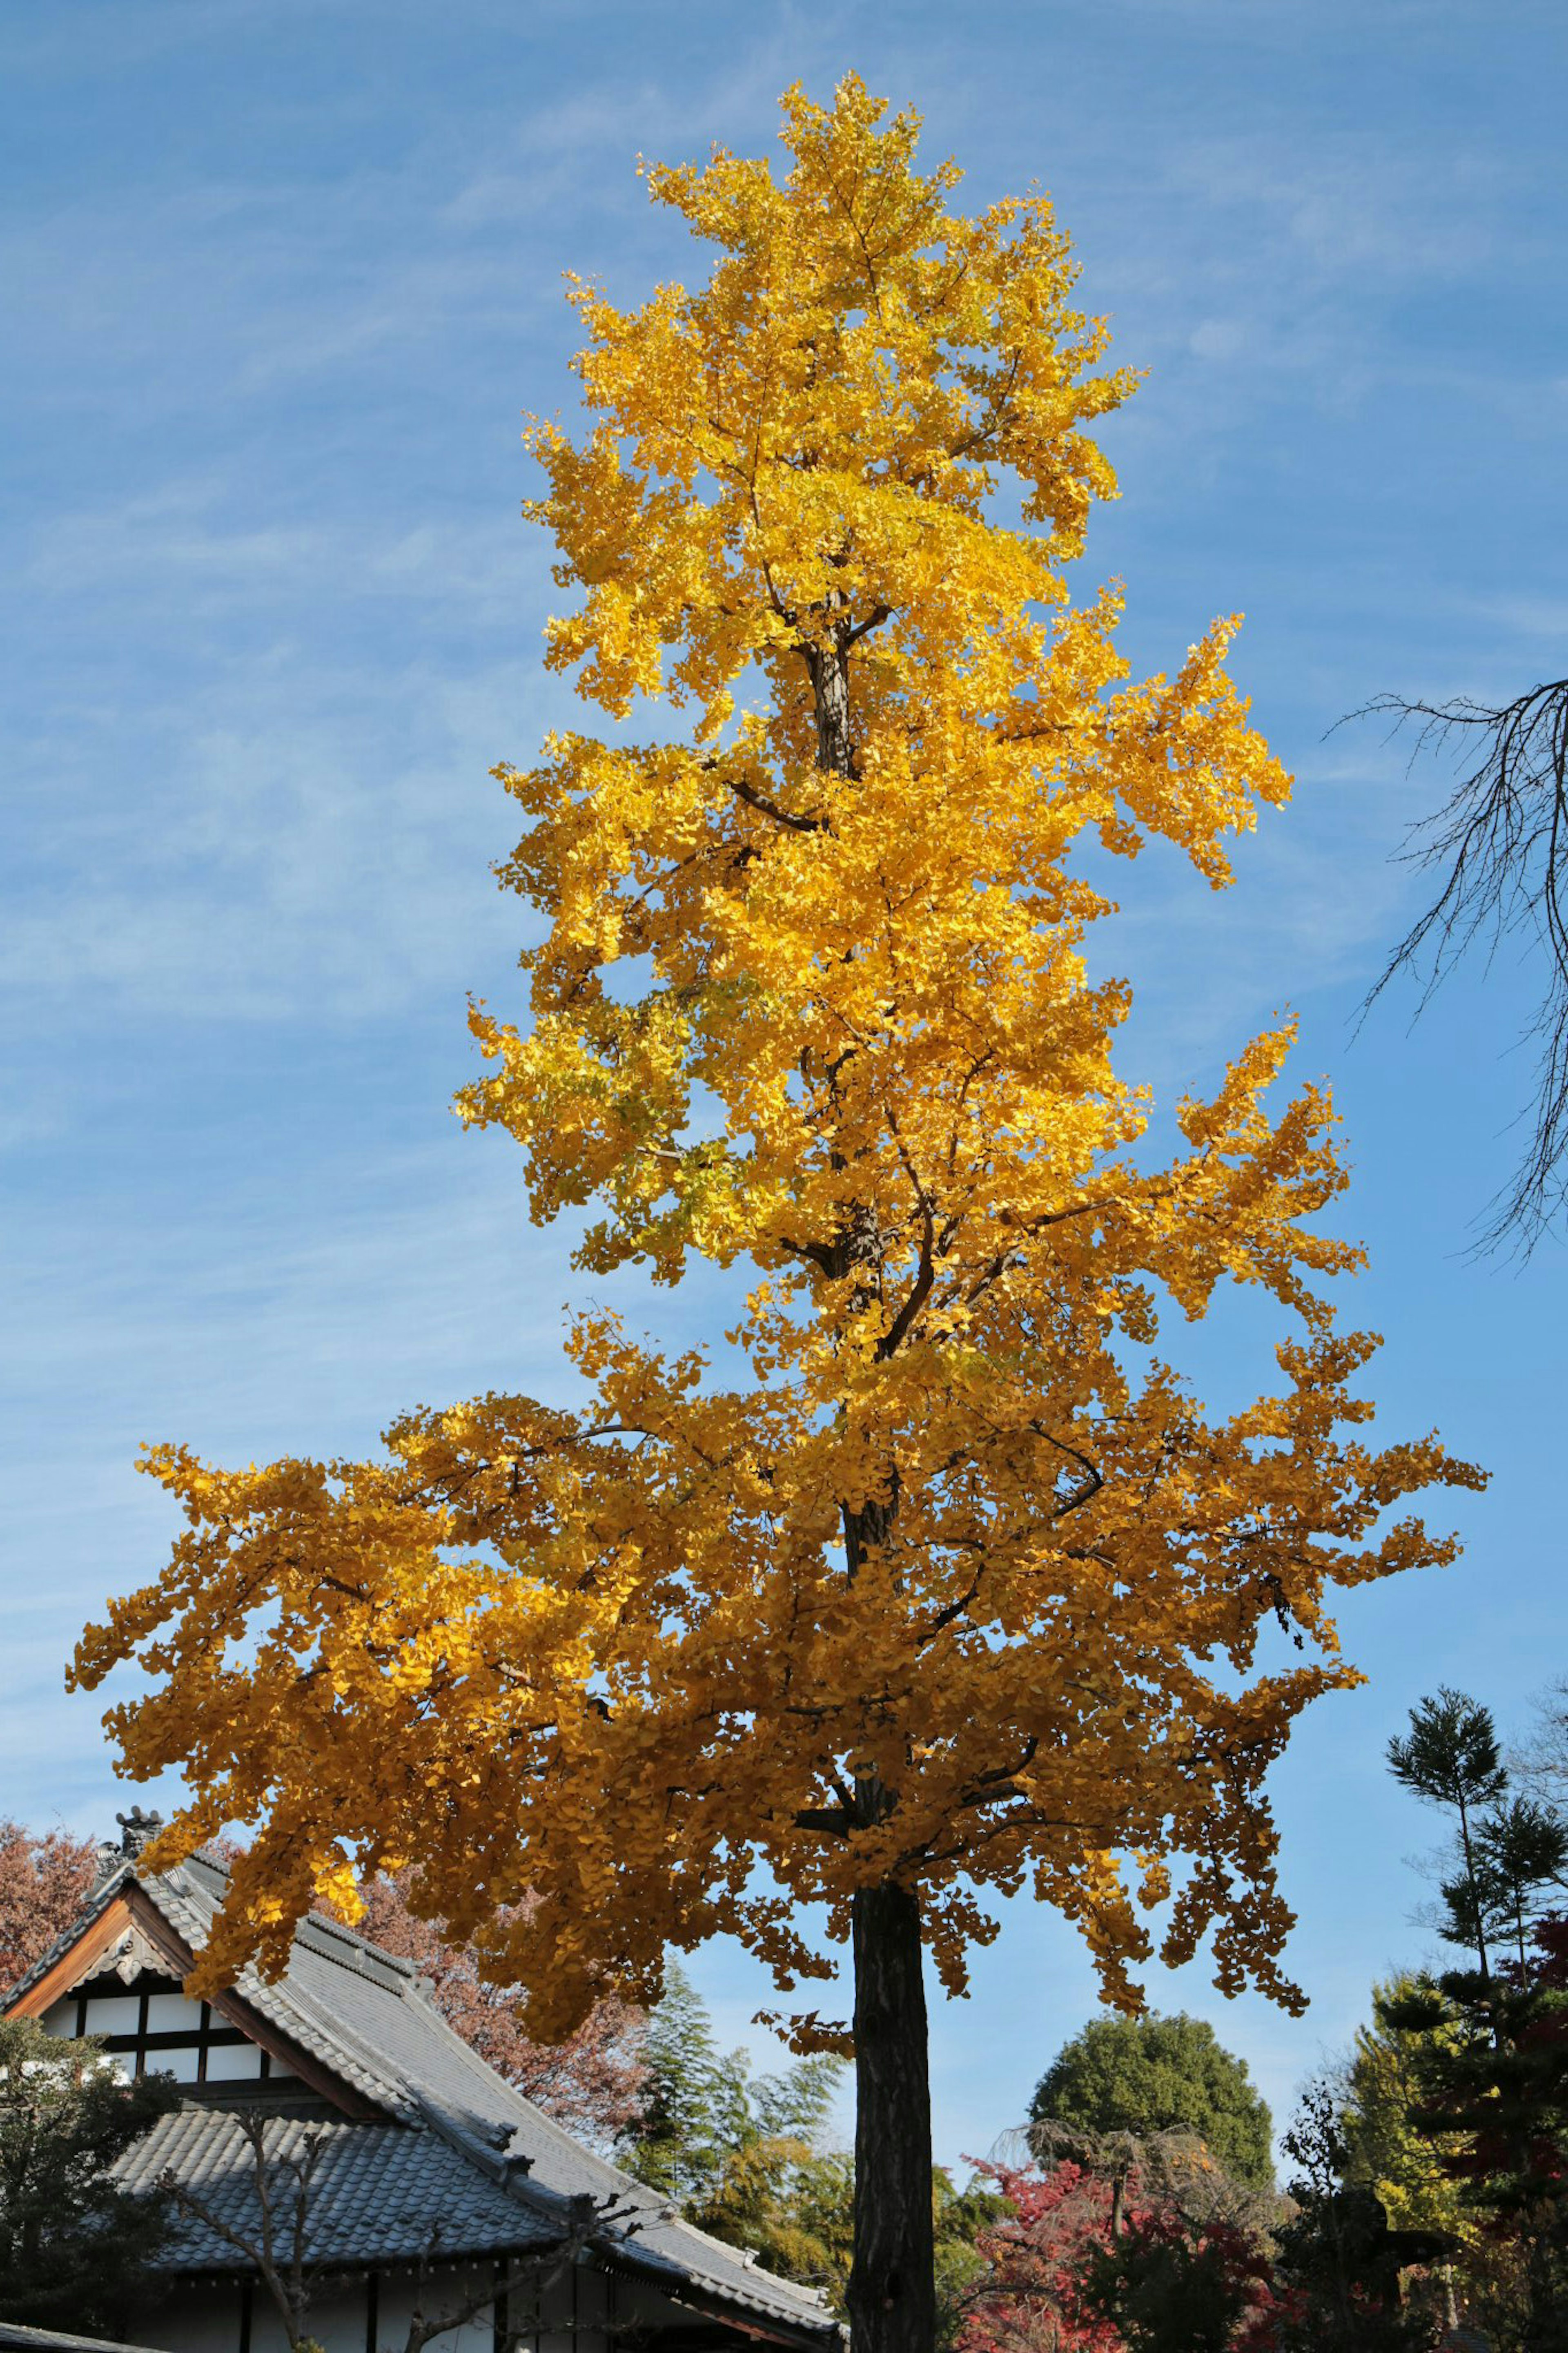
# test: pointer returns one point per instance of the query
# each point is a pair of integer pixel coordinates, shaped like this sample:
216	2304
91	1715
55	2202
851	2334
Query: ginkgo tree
934	1582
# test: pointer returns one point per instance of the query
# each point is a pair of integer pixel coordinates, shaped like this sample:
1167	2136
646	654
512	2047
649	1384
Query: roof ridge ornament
138	1828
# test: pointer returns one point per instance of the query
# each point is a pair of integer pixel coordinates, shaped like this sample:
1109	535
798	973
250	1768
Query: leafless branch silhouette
1499	845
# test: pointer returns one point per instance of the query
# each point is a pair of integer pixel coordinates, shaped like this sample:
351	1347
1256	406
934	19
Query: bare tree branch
1499	847
286	2281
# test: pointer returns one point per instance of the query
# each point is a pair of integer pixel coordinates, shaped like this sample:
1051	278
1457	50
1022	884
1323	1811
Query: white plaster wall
205	2319
440	2292
198	2318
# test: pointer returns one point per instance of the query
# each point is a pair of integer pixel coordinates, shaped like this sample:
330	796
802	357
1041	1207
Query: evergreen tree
1165	2287
1146	2076
696	2103
1494	2100
74	2247
1450	1758
1522	1848
741	2155
748	2159
1386	2152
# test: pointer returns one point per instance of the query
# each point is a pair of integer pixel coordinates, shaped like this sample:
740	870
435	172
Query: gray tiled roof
17	2333
367	2016
379	2193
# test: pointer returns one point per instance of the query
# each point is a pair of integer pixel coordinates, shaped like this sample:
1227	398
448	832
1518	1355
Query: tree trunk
892	2280
1474	1888
892	2289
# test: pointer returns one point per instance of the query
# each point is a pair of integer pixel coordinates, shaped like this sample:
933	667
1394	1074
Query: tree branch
1500	843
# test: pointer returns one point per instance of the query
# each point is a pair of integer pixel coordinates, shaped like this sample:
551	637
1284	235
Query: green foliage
741	2155
1168	2288
696	2104
74	2248
824	2201
1521	1849
1477	2059
1494	2100
746	2158
1385	2150
1145	2077
1450	1755
1450	1759
960	2217
790	2203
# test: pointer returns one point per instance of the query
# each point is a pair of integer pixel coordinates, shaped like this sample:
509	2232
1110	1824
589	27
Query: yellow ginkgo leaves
946	1582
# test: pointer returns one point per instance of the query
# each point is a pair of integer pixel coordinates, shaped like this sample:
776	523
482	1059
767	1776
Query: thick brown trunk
892	2289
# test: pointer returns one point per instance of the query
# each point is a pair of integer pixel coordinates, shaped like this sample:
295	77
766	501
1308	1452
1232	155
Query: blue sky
281	276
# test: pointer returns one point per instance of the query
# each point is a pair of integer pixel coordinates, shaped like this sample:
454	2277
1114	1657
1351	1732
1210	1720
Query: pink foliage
594	2082
44	1883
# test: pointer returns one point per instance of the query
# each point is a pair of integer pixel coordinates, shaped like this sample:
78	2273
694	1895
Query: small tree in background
1337	2264
1450	1758
74	2248
1522	1848
1385	2081
1168	2286
1492	2063
1153	2075
1058	2270
1030	2297
695	2104
45	1879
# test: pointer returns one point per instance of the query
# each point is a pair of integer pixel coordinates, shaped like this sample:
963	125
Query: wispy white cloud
272	618
1528	617
181	543
290	861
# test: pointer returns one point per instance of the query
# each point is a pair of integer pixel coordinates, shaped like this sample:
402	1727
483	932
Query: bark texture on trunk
892	2289
829	670
892	2283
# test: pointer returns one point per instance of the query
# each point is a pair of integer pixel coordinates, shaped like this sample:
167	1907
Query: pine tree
1450	1758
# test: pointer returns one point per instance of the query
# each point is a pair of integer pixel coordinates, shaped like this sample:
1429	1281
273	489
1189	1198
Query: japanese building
430	2185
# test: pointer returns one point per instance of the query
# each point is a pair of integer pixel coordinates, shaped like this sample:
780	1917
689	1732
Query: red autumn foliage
1036	2256
1052	2267
593	2084
44	1883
